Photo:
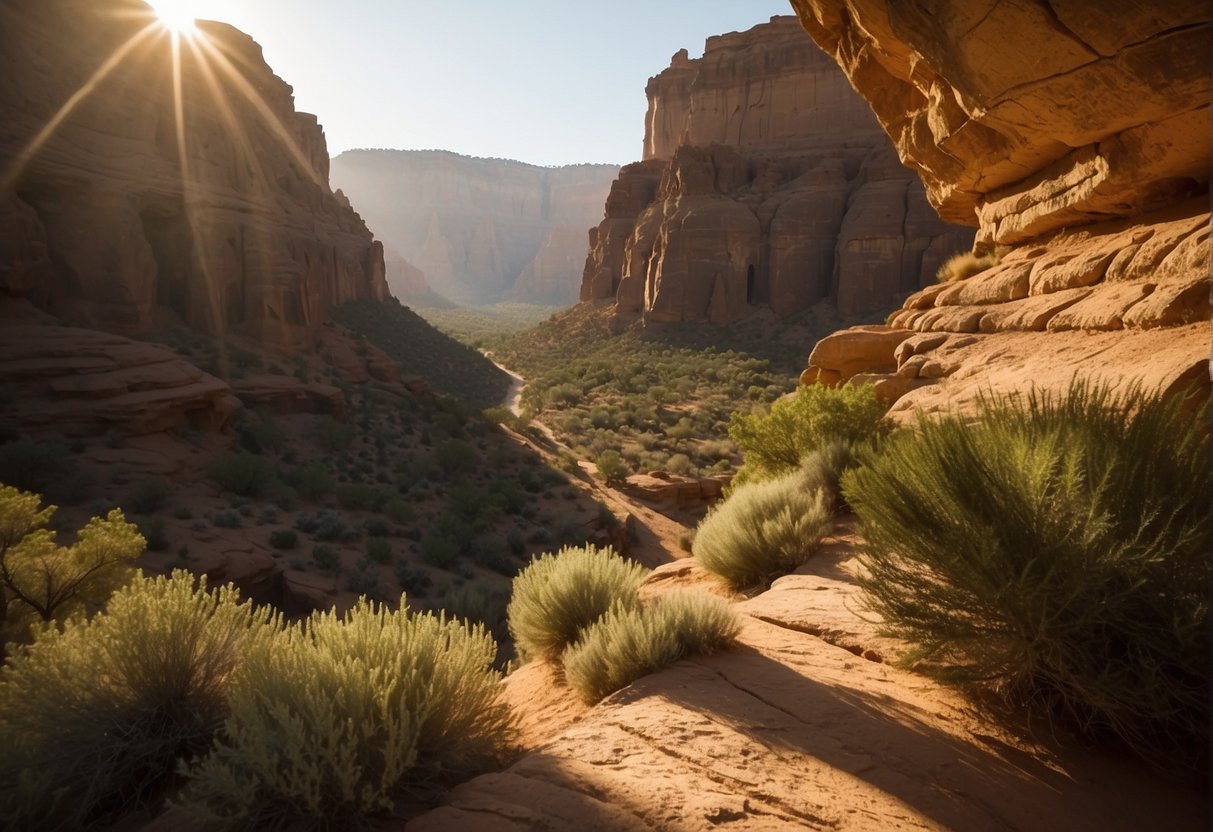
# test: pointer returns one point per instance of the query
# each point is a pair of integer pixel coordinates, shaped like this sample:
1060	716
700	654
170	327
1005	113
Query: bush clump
1056	547
96	716
777	441
763	530
559	595
343	715
967	263
245	474
632	641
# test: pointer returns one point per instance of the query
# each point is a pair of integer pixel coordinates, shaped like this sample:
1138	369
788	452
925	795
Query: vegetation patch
1056	548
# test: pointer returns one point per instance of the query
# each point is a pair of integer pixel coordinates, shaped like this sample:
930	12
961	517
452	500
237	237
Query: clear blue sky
544	81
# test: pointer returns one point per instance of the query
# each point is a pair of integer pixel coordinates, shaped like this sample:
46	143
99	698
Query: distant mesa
477	230
108	223
766	182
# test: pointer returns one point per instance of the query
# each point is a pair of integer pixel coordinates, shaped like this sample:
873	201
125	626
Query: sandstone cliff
1078	140
766	181
479	229
113	213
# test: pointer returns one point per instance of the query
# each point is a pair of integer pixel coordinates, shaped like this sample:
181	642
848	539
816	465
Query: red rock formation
1087	155
479	229
765	181
106	219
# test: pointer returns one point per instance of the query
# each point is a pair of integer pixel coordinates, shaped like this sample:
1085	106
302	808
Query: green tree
42	578
612	467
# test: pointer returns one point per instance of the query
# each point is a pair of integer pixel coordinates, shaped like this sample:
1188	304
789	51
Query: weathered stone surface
764	122
998	284
479	229
859	349
1033	313
70	381
662	487
1103	309
108	218
1104	115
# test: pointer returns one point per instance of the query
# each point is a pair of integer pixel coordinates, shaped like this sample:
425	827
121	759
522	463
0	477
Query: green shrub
379	549
284	539
777	441
559	595
244	474
763	530
456	457
341	716
326	558
611	467
1056	548
148	496
96	717
629	642
823	468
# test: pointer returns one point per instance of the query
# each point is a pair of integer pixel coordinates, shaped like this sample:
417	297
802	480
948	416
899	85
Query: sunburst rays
214	68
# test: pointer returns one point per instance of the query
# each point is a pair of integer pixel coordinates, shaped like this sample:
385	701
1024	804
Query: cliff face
109	213
1086	155
766	181
479	229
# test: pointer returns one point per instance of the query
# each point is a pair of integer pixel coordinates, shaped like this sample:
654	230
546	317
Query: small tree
612	467
49	580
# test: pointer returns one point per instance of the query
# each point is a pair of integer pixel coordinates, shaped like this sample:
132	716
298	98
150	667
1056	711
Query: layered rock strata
766	181
479	229
123	193
1086	158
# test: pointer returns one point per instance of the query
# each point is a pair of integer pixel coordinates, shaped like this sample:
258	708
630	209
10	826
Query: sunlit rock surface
766	182
111	207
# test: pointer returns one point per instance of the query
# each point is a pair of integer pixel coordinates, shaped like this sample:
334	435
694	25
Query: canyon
766	182
476	230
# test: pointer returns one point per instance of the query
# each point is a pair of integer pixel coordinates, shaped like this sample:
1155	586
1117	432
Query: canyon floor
805	724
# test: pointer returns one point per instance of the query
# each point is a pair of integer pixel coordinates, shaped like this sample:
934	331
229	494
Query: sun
176	15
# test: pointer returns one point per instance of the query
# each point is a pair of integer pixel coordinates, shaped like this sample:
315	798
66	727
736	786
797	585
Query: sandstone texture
1034	116
112	210
766	182
804	725
479	230
1085	158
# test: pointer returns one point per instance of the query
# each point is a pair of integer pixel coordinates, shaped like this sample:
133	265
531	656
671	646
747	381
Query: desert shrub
247	475
776	441
328	526
95	717
764	529
379	549
43	580
557	596
477	605
440	551
313	481
364	497
1057	549
333	436
413	581
611	467
284	539
148	496
967	263
154	537
341	716
364	580
456	457
326	558
629	642
822	469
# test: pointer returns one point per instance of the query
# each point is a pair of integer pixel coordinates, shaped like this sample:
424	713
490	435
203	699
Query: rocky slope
1087	157
112	210
479	229
803	726
766	181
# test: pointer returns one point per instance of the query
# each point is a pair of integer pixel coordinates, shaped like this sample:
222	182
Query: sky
549	82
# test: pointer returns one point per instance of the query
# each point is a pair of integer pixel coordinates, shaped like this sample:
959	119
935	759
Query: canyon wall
766	181
479	230
118	205
1077	141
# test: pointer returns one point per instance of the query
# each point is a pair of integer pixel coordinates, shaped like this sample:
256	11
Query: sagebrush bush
1057	548
559	595
94	718
777	441
763	530
245	474
338	718
823	468
965	264
632	641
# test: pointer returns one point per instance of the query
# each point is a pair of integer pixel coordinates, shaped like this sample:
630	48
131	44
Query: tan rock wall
106	220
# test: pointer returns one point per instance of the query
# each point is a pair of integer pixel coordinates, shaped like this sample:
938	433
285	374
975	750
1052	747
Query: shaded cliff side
116	203
766	182
1086	156
479	229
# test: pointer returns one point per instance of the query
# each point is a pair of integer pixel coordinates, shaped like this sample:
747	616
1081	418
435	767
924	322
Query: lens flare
177	16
